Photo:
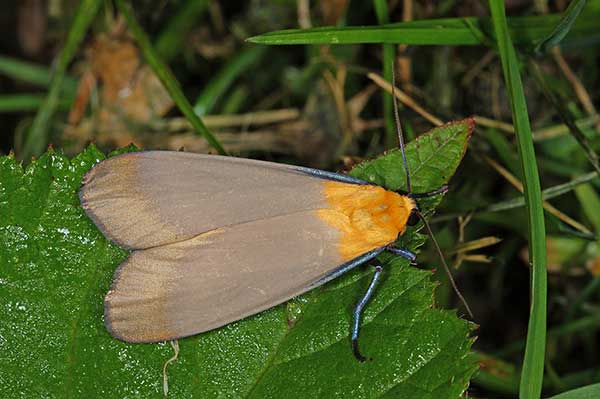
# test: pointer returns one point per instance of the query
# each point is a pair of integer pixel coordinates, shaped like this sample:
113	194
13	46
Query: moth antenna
446	268
399	127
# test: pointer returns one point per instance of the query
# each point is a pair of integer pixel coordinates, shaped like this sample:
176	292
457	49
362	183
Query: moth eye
413	219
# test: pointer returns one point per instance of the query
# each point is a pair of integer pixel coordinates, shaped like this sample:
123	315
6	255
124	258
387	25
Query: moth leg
358	311
405	253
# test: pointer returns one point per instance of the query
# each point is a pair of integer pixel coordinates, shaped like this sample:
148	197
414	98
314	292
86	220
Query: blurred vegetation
72	72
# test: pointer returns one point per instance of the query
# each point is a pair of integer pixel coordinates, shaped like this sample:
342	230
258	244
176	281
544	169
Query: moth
215	239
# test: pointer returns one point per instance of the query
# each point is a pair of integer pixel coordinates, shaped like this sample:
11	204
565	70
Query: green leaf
533	361
565	115
166	77
432	159
443	31
37	136
389	55
33	73
587	392
590	203
171	39
562	28
56	267
219	84
27	102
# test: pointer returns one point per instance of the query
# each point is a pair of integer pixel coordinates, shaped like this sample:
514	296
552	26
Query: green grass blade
588	392
533	363
590	203
170	40
449	32
549	193
234	102
563	27
223	80
166	77
588	323
564	114
26	102
388	61
32	73
505	150
37	138
586	293
446	31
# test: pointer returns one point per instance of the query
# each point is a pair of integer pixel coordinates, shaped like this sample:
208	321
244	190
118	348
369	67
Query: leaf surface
56	267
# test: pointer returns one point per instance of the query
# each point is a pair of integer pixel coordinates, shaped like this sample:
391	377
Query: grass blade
388	61
564	114
563	27
166	77
587	323
223	80
37	138
592	287
533	362
26	102
32	73
588	392
547	194
170	40
590	203
445	31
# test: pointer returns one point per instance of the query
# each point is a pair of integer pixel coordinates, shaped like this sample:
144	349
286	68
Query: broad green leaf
56	267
